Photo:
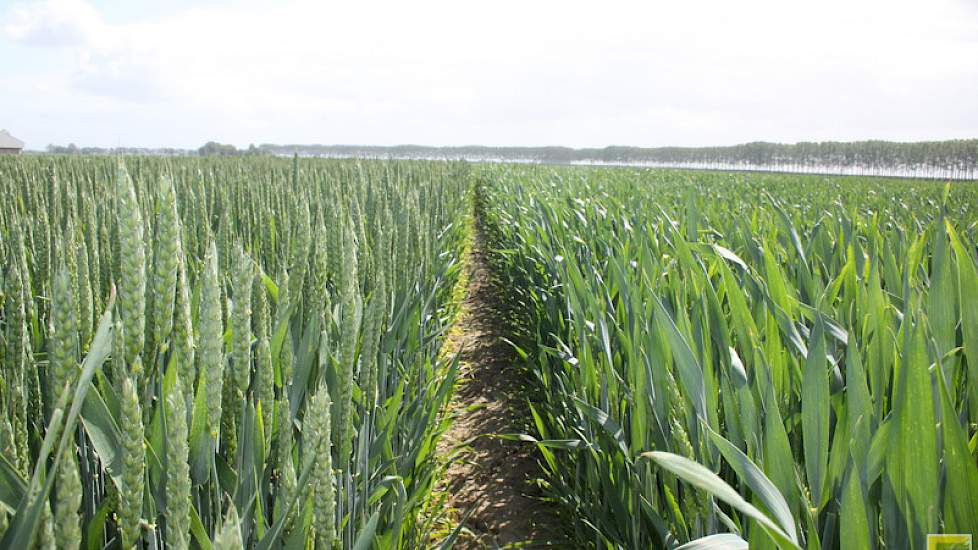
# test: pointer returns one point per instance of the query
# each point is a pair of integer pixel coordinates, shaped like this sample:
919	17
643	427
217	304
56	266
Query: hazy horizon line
485	146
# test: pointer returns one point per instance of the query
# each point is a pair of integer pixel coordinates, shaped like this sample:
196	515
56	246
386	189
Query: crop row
216	354
727	359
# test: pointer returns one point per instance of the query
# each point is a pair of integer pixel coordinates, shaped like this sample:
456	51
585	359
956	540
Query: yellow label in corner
948	542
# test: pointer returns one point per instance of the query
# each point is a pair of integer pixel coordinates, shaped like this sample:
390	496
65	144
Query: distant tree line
215	149
72	149
952	158
940	159
209	149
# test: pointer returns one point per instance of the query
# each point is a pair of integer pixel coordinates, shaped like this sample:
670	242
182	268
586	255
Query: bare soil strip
490	476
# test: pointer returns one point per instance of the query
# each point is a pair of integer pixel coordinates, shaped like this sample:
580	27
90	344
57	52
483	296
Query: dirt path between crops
490	476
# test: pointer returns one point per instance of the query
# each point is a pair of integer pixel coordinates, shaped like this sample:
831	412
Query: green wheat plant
228	353
731	359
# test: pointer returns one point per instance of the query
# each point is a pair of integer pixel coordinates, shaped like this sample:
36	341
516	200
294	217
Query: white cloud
544	72
55	23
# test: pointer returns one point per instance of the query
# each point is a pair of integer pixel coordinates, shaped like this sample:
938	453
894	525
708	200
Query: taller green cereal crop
187	307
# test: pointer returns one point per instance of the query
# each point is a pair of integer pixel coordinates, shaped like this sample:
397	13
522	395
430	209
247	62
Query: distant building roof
8	141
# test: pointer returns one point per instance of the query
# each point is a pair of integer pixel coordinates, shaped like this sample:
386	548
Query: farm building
9	145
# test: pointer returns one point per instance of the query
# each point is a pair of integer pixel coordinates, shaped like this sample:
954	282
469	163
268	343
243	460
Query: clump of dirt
489	476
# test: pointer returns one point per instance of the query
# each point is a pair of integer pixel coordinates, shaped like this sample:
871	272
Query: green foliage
794	355
196	433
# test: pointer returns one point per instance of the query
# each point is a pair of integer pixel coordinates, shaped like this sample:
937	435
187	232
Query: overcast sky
647	73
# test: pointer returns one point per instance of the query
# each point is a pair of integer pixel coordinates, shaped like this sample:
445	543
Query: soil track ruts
490	476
